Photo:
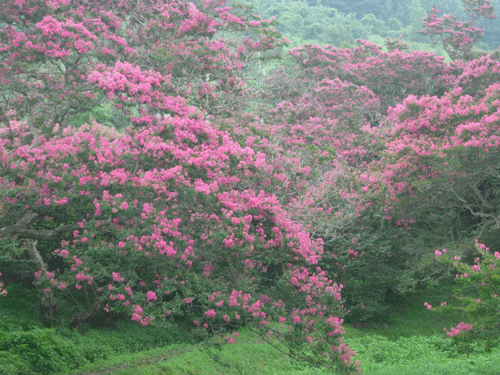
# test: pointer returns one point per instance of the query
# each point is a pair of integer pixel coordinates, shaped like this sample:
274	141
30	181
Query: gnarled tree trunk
48	303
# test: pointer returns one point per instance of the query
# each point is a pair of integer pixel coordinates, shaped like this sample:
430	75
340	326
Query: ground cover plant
213	204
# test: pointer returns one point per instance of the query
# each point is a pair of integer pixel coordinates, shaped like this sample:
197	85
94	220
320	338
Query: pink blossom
136	317
151	296
207	269
137	309
210	313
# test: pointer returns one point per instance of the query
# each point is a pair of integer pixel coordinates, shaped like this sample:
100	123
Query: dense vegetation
171	165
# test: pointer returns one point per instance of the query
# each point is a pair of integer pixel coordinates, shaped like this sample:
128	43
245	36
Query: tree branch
21	228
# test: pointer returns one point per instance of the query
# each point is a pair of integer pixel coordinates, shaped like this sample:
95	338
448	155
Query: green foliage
12	364
45	351
371	20
26	348
105	114
401	346
394	24
406	355
478	285
416	14
418	354
303	23
491	238
15	264
377	349
19	310
41	350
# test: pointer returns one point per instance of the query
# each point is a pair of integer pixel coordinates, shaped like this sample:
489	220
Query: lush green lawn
409	341
411	355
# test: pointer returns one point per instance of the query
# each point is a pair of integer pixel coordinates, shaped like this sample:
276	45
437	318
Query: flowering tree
163	220
457	37
61	58
444	151
149	234
325	131
392	75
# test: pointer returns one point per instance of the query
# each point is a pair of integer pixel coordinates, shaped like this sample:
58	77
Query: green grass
424	355
379	356
409	317
250	356
20	309
409	341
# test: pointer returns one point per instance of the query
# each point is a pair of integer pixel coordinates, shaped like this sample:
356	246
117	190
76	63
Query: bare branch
21	229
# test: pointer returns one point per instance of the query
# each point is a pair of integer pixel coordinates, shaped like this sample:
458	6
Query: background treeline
340	23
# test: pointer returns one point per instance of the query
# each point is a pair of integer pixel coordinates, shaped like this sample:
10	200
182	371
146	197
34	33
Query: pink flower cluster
462	327
3	292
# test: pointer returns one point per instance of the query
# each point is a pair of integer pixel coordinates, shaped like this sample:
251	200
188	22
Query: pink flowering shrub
392	75
321	136
478	286
147	61
164	220
461	327
441	154
478	75
178	214
325	133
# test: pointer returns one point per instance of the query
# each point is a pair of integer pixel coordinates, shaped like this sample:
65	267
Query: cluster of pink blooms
3	292
462	327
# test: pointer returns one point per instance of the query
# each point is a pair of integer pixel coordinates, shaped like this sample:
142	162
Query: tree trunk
78	319
47	301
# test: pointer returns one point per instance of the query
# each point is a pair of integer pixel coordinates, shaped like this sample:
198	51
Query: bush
376	349
12	364
39	351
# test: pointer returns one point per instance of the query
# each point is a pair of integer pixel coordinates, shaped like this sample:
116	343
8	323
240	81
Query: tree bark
47	302
22	230
78	319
